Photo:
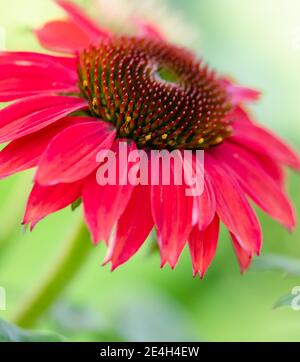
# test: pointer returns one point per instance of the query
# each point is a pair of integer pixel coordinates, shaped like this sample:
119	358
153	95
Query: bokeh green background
258	43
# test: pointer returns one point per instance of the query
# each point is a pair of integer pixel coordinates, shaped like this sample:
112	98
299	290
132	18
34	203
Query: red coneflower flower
156	96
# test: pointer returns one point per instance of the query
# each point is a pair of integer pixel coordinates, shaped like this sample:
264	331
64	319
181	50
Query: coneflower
153	95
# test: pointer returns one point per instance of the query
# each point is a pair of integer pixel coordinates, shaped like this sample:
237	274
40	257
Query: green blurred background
258	43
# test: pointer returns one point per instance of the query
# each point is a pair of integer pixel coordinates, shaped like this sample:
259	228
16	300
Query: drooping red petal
232	206
239	114
34	113
265	142
46	200
62	36
69	64
172	212
257	183
104	204
206	205
132	228
271	167
244	256
203	246
19	81
84	22
71	155
25	152
47	69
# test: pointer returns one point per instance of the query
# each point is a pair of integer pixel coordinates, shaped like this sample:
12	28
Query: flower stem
56	279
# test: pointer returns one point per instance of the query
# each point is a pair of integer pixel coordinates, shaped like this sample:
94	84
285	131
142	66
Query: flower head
159	95
152	95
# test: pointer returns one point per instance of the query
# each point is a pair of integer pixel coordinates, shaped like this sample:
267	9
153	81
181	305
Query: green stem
56	279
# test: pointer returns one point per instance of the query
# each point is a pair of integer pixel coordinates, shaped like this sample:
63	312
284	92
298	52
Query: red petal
18	81
240	94
62	36
206	205
266	162
34	113
83	21
271	167
232	205
132	228
71	155
103	205
172	212
244	256
39	59
239	114
46	68
205	201
203	246
46	200
263	141
25	152
257	183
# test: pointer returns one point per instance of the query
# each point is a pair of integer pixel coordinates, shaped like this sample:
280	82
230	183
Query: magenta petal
239	114
270	166
62	36
206	205
28	59
264	191
23	68
232	206
18	81
205	202
240	94
13	89
34	113
203	246
263	141
71	155
103	205
25	152
244	256
172	212
132	229
46	200
83	21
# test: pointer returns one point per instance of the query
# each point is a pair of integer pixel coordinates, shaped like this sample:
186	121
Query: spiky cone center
157	94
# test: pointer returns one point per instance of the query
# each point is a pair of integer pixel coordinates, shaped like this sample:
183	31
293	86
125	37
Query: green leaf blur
11	333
